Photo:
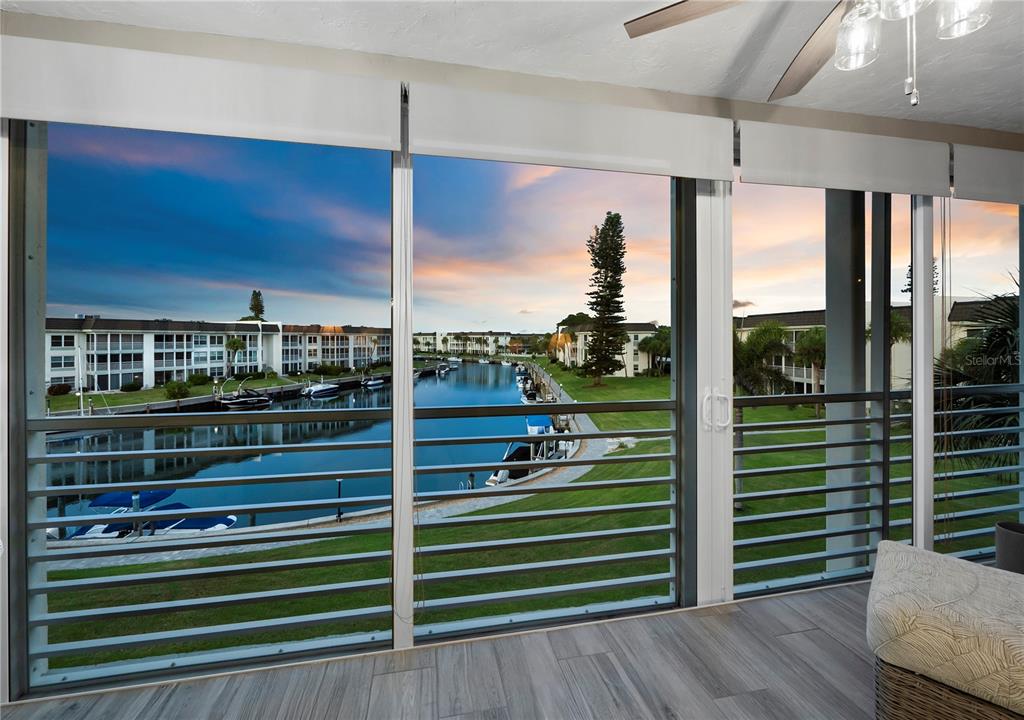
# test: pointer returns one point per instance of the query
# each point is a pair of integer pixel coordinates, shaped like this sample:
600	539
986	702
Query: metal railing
314	575
585	533
812	489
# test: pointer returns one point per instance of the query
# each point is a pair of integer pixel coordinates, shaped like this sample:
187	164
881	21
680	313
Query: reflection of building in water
104	354
187	465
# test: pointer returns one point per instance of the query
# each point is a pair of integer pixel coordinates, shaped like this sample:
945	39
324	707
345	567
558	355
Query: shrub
132	386
196	379
270	375
249	376
58	389
176	390
327	369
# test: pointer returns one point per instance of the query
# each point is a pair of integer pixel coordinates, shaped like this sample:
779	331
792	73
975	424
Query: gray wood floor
796	656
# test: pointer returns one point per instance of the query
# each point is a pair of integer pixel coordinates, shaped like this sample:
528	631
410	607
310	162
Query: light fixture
857	41
900	9
962	17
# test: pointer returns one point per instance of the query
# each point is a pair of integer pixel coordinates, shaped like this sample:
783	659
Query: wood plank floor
801	655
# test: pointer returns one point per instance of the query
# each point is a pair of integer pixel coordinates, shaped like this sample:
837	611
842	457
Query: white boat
529	397
373	382
515	452
322	391
484	361
506	363
454	360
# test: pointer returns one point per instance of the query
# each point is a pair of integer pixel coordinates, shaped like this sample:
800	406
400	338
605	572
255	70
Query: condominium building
571	347
961	322
491	342
106	353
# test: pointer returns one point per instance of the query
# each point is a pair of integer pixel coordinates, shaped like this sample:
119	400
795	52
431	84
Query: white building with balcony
571	347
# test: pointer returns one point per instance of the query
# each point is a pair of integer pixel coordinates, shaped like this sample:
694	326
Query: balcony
798	655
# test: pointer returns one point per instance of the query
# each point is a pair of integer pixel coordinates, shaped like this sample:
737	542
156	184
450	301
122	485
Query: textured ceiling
739	53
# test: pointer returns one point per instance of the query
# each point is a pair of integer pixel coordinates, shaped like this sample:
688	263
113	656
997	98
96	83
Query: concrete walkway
584	449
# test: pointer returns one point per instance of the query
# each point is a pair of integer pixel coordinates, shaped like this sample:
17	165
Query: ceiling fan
849	33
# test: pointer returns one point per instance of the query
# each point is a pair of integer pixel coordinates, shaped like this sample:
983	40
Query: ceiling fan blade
675	14
820	46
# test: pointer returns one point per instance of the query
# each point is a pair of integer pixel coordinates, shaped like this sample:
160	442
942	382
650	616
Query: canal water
470	384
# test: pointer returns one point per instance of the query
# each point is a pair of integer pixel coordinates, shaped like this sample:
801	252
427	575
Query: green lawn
152	395
582	389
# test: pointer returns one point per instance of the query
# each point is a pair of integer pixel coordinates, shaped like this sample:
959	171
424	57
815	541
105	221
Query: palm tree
658	347
990	357
754	374
810	350
444	341
233	346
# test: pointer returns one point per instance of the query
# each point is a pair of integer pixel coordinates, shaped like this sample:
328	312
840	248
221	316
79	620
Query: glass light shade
857	41
962	17
900	9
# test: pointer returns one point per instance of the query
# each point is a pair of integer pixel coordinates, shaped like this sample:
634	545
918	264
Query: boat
373	382
539	425
529	397
443	370
416	375
155	526
484	361
506	363
244	399
454	360
322	391
515	452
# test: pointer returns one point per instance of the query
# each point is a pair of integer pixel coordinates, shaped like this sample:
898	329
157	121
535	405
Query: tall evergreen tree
607	247
256	308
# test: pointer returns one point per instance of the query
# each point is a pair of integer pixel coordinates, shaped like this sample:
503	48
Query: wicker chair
904	695
948	637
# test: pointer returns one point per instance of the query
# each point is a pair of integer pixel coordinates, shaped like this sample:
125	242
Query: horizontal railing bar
281	448
201	482
272	417
198	633
798	469
745	401
805	557
807	425
812	512
806	535
789	447
549	437
961	534
974	553
809	490
202	573
979	512
968	390
972	452
54	423
541	464
155	515
199	452
500	491
1014	410
978	472
803	581
579	408
194	603
966	433
143	546
549	591
544	514
516	569
976	492
544	540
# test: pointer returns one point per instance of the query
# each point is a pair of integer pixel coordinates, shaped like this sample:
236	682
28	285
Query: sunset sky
149	225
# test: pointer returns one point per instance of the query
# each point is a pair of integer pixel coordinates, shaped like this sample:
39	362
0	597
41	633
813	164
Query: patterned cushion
953	621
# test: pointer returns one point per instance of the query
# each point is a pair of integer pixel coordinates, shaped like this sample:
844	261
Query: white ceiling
739	53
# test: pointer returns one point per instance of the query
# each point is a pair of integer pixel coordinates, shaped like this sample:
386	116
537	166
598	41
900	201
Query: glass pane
247	284
977	401
538	510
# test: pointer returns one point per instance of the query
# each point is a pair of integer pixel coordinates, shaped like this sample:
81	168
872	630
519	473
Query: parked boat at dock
244	399
322	391
373	382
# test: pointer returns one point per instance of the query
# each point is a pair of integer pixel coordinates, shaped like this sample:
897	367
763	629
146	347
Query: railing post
923	354
844	330
402	433
881	357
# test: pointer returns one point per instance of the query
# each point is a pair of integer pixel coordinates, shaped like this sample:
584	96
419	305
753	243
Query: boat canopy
539	421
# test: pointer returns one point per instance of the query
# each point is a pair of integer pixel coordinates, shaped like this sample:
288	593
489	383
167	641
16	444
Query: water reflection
470	384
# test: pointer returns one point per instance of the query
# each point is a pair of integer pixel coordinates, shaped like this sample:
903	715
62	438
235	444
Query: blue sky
152	224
